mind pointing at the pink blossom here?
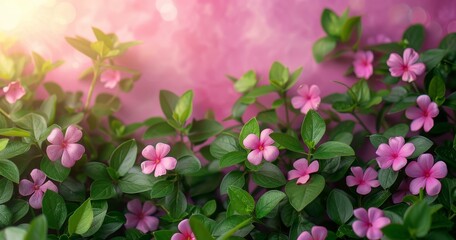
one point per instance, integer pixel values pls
(363, 64)
(365, 180)
(185, 230)
(425, 174)
(13, 92)
(369, 223)
(37, 188)
(157, 159)
(402, 191)
(139, 216)
(394, 154)
(318, 233)
(422, 115)
(66, 147)
(110, 78)
(303, 170)
(308, 98)
(407, 67)
(261, 147)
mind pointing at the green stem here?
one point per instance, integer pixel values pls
(415, 87)
(6, 114)
(96, 70)
(235, 229)
(361, 122)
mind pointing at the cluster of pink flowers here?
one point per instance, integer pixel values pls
(422, 115)
(364, 180)
(303, 170)
(369, 223)
(407, 66)
(394, 154)
(316, 233)
(37, 188)
(65, 147)
(139, 216)
(308, 98)
(262, 147)
(157, 159)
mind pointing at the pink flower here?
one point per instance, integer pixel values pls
(139, 216)
(309, 98)
(261, 147)
(365, 180)
(369, 223)
(425, 174)
(394, 154)
(422, 115)
(318, 233)
(363, 64)
(185, 230)
(402, 191)
(110, 78)
(66, 147)
(158, 160)
(37, 188)
(13, 92)
(303, 170)
(408, 67)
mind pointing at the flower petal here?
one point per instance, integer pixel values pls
(361, 214)
(313, 167)
(36, 199)
(428, 124)
(54, 152)
(410, 56)
(297, 102)
(73, 134)
(370, 174)
(363, 189)
(413, 113)
(417, 68)
(169, 163)
(26, 187)
(265, 139)
(162, 149)
(56, 136)
(134, 206)
(132, 220)
(433, 186)
(407, 150)
(439, 170)
(251, 141)
(160, 170)
(148, 208)
(417, 124)
(426, 161)
(303, 179)
(49, 185)
(293, 174)
(255, 157)
(423, 101)
(319, 233)
(270, 153)
(147, 167)
(149, 153)
(38, 176)
(305, 236)
(399, 163)
(351, 181)
(416, 184)
(184, 227)
(178, 236)
(360, 228)
(394, 61)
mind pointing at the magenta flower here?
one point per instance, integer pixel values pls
(185, 230)
(110, 78)
(408, 67)
(66, 147)
(37, 188)
(365, 180)
(369, 223)
(157, 160)
(422, 115)
(394, 154)
(139, 216)
(261, 147)
(308, 98)
(425, 174)
(303, 170)
(362, 65)
(318, 233)
(13, 92)
(402, 191)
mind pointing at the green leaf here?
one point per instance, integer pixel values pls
(102, 189)
(240, 200)
(331, 23)
(18, 208)
(437, 89)
(414, 36)
(421, 144)
(323, 47)
(387, 177)
(14, 132)
(233, 158)
(96, 171)
(54, 170)
(312, 129)
(396, 231)
(268, 116)
(99, 213)
(37, 229)
(54, 209)
(161, 129)
(6, 190)
(278, 75)
(163, 234)
(34, 122)
(377, 199)
(124, 157)
(288, 142)
(209, 207)
(268, 202)
(133, 183)
(203, 129)
(269, 176)
(48, 108)
(5, 216)
(233, 178)
(377, 139)
(176, 204)
(222, 145)
(54, 89)
(236, 224)
(431, 58)
(9, 170)
(161, 189)
(246, 82)
(302, 195)
(418, 219)
(168, 102)
(81, 219)
(333, 149)
(348, 27)
(199, 229)
(83, 46)
(188, 165)
(339, 207)
(184, 107)
(3, 143)
(251, 127)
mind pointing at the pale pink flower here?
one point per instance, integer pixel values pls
(110, 78)
(318, 233)
(13, 92)
(425, 174)
(308, 98)
(303, 170)
(394, 154)
(362, 65)
(369, 223)
(261, 147)
(185, 231)
(65, 147)
(157, 160)
(402, 191)
(37, 188)
(139, 216)
(365, 180)
(422, 115)
(408, 67)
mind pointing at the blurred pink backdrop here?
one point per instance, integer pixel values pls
(194, 44)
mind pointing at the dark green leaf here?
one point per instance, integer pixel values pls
(168, 102)
(421, 144)
(54, 170)
(203, 129)
(102, 189)
(124, 157)
(312, 129)
(288, 142)
(251, 127)
(233, 158)
(269, 176)
(414, 36)
(301, 195)
(240, 200)
(333, 149)
(323, 47)
(418, 219)
(37, 229)
(387, 177)
(161, 189)
(268, 202)
(54, 209)
(81, 219)
(233, 178)
(377, 199)
(161, 129)
(339, 207)
(6, 190)
(133, 183)
(9, 170)
(199, 229)
(188, 165)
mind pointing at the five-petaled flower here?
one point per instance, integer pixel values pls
(157, 160)
(65, 147)
(362, 65)
(185, 231)
(425, 174)
(110, 78)
(308, 98)
(139, 216)
(402, 191)
(406, 67)
(13, 92)
(369, 223)
(262, 147)
(394, 153)
(422, 115)
(364, 180)
(37, 188)
(303, 170)
(318, 233)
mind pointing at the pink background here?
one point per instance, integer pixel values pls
(194, 44)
